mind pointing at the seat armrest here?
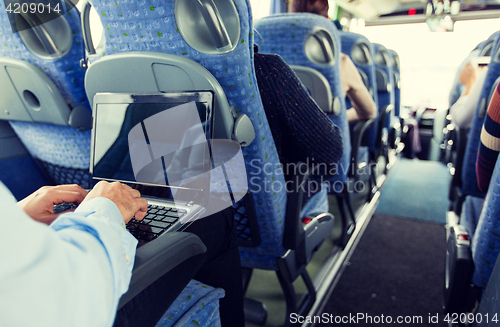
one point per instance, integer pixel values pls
(459, 270)
(160, 256)
(358, 132)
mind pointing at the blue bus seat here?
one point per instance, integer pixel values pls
(473, 250)
(395, 65)
(386, 100)
(469, 182)
(360, 50)
(476, 223)
(458, 136)
(52, 117)
(228, 59)
(397, 123)
(197, 305)
(311, 41)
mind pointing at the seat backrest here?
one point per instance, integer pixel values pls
(360, 50)
(469, 180)
(385, 80)
(396, 72)
(309, 40)
(183, 29)
(42, 87)
(485, 242)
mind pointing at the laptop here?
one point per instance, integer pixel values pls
(158, 144)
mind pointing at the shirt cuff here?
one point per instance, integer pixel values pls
(95, 214)
(104, 207)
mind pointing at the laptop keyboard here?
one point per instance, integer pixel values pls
(157, 220)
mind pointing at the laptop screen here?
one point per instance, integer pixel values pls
(157, 143)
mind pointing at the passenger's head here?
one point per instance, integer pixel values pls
(319, 7)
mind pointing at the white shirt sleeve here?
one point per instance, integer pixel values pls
(463, 110)
(71, 273)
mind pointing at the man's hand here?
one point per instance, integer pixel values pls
(128, 200)
(40, 205)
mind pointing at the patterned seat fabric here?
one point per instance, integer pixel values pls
(196, 306)
(286, 35)
(469, 180)
(57, 147)
(349, 41)
(130, 26)
(486, 240)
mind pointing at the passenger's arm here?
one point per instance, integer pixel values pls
(463, 110)
(69, 274)
(363, 105)
(490, 143)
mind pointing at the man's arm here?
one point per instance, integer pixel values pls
(73, 272)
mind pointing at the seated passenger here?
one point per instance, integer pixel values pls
(94, 238)
(352, 84)
(73, 272)
(463, 110)
(490, 143)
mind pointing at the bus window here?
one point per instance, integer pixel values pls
(429, 61)
(260, 8)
